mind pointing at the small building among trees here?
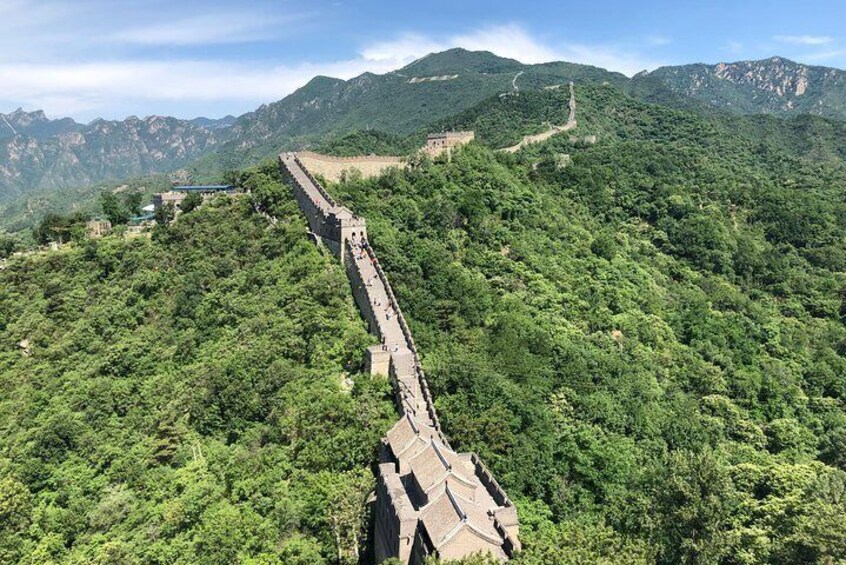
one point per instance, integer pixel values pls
(177, 194)
(98, 227)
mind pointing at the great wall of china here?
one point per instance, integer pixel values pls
(333, 168)
(537, 138)
(430, 500)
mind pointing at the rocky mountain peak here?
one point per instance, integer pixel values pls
(779, 76)
(22, 118)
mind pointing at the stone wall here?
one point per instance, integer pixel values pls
(329, 223)
(333, 168)
(430, 500)
(437, 143)
(98, 228)
(553, 130)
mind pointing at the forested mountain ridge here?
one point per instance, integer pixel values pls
(458, 81)
(610, 113)
(61, 153)
(21, 214)
(193, 398)
(501, 121)
(398, 102)
(644, 341)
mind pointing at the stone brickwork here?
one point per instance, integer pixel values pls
(437, 143)
(334, 168)
(98, 228)
(170, 197)
(430, 500)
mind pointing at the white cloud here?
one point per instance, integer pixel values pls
(510, 41)
(824, 55)
(404, 49)
(804, 39)
(209, 29)
(111, 89)
(33, 30)
(515, 42)
(85, 84)
(658, 40)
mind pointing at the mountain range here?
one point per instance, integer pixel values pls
(770, 86)
(37, 153)
(40, 153)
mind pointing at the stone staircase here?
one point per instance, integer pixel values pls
(430, 500)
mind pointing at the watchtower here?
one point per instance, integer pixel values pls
(437, 143)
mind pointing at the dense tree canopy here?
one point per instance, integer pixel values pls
(644, 342)
(643, 339)
(193, 398)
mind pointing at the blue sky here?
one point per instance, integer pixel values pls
(95, 58)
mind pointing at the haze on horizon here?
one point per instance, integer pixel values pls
(92, 59)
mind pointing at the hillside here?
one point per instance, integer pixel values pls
(607, 111)
(500, 121)
(474, 99)
(19, 215)
(400, 102)
(645, 341)
(193, 398)
(36, 152)
(770, 86)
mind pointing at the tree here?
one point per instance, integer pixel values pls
(164, 214)
(58, 228)
(132, 202)
(8, 245)
(191, 201)
(335, 505)
(113, 209)
(695, 502)
(15, 507)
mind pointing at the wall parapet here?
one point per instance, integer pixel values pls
(389, 159)
(421, 377)
(490, 482)
(317, 185)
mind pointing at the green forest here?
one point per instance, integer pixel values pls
(643, 339)
(193, 398)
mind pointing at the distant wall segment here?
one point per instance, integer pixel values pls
(333, 168)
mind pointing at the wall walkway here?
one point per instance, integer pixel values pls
(430, 500)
